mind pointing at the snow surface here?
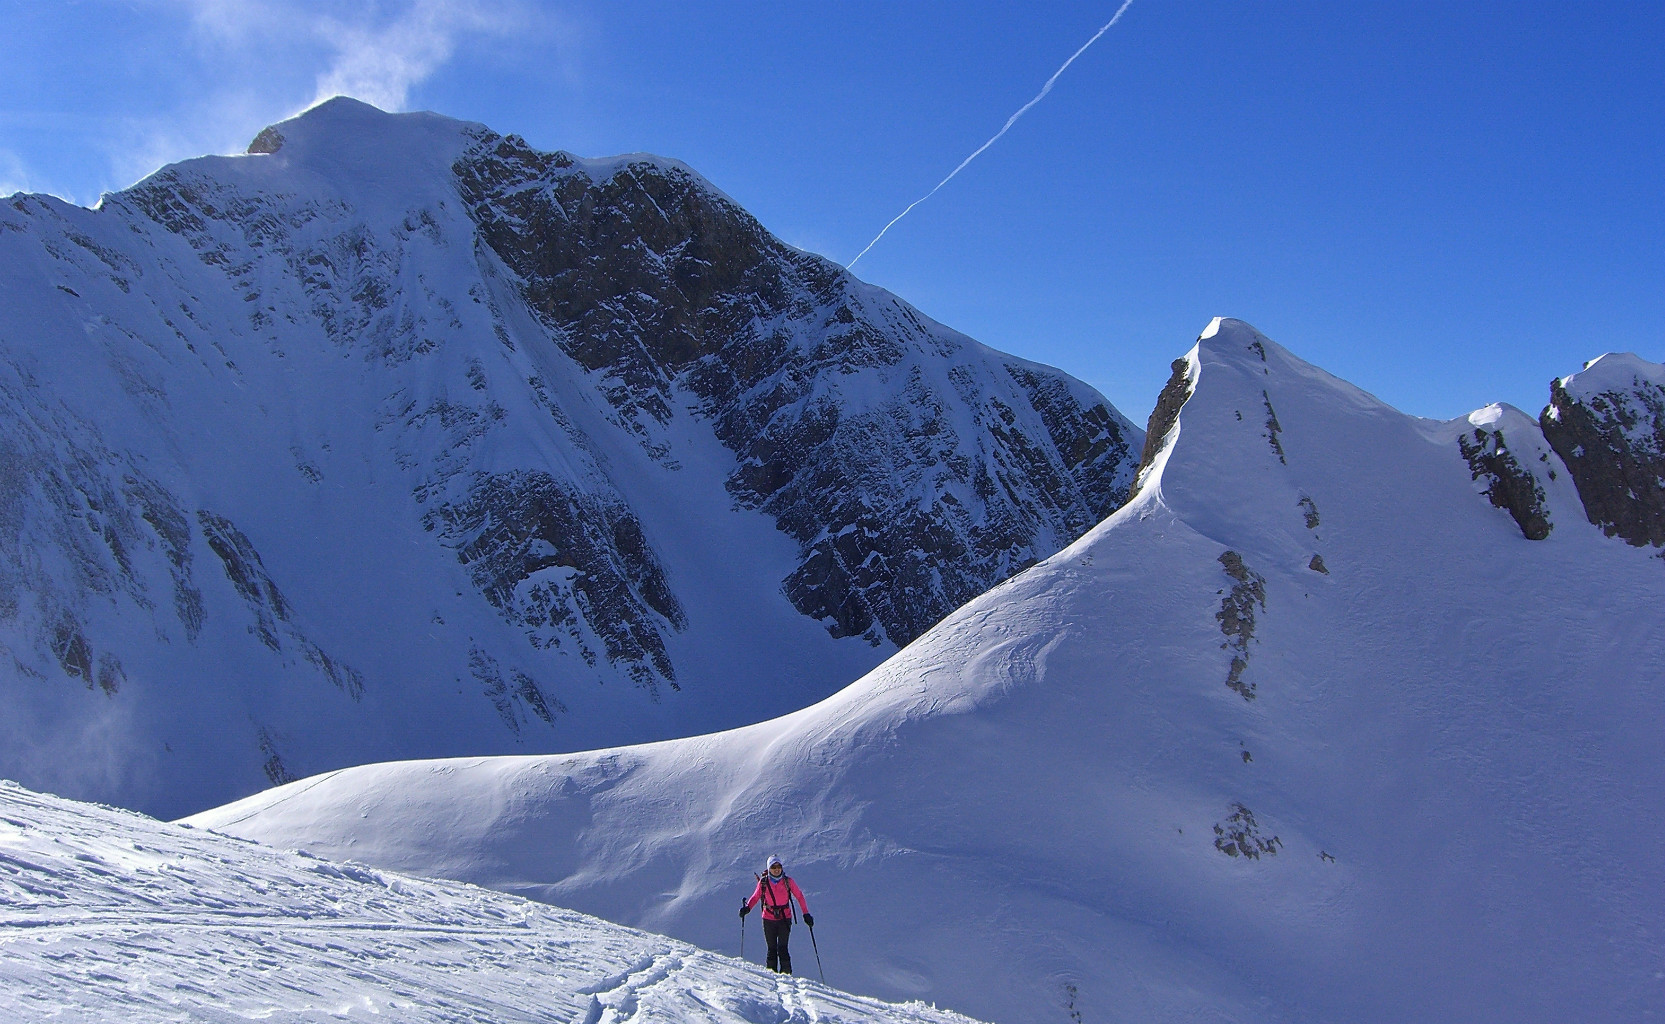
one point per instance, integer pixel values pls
(1615, 371)
(106, 915)
(1446, 746)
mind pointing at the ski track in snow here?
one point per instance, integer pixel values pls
(106, 915)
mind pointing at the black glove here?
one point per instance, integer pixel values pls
(745, 909)
(809, 919)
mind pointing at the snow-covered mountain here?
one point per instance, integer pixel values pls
(107, 915)
(397, 438)
(1310, 730)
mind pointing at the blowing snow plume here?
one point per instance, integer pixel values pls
(996, 137)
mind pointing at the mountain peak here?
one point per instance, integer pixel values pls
(555, 395)
(1614, 371)
(349, 141)
(1227, 408)
(353, 143)
(1237, 343)
(273, 137)
(1225, 330)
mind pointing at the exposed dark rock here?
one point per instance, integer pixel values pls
(912, 468)
(1241, 836)
(58, 493)
(248, 575)
(1237, 618)
(1509, 485)
(1273, 428)
(273, 615)
(645, 272)
(1317, 565)
(554, 559)
(270, 140)
(1090, 441)
(1614, 446)
(110, 675)
(515, 697)
(1309, 509)
(344, 677)
(173, 530)
(540, 703)
(72, 650)
(673, 295)
(272, 764)
(1162, 419)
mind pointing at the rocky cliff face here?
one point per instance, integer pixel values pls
(1509, 485)
(912, 471)
(1608, 426)
(396, 437)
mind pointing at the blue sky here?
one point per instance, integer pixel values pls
(1447, 203)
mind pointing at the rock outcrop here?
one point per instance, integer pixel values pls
(1608, 426)
(1508, 484)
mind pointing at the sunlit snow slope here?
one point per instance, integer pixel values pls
(1309, 731)
(107, 915)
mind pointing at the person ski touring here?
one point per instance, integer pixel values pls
(776, 890)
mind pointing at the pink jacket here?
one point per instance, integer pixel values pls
(776, 905)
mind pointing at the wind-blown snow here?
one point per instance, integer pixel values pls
(106, 915)
(1307, 732)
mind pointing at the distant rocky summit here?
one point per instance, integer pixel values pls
(1608, 425)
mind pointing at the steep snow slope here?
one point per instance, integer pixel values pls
(106, 915)
(396, 438)
(1309, 731)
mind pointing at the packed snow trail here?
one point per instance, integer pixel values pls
(106, 915)
(996, 137)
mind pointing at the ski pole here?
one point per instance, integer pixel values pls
(742, 935)
(817, 949)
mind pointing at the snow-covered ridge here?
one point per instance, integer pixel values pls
(106, 915)
(1309, 730)
(1614, 371)
(1607, 423)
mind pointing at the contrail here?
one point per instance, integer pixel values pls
(1003, 129)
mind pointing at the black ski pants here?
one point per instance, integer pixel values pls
(775, 933)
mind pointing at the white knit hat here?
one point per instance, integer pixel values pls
(771, 862)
